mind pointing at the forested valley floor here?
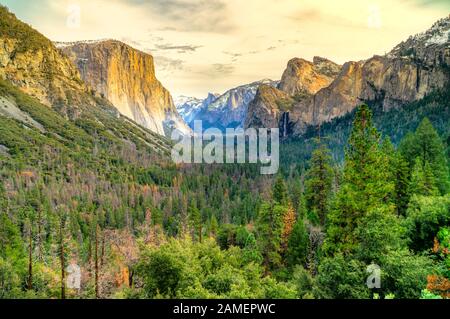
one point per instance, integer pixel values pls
(372, 190)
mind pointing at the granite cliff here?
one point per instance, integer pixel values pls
(126, 77)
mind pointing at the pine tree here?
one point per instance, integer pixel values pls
(213, 226)
(30, 214)
(399, 174)
(297, 196)
(269, 230)
(401, 178)
(422, 180)
(195, 221)
(366, 186)
(13, 258)
(279, 192)
(426, 144)
(319, 182)
(271, 225)
(298, 245)
(96, 277)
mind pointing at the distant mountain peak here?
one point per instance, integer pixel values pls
(222, 110)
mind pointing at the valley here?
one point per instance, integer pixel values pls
(87, 178)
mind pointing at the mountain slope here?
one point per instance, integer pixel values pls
(35, 74)
(126, 77)
(94, 128)
(31, 62)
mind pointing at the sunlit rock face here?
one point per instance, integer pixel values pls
(126, 77)
(305, 77)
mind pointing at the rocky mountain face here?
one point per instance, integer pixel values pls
(300, 81)
(268, 109)
(226, 110)
(304, 77)
(126, 77)
(410, 71)
(31, 62)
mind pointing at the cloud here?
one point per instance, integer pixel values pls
(232, 54)
(179, 48)
(214, 71)
(164, 29)
(189, 15)
(323, 18)
(169, 65)
(222, 69)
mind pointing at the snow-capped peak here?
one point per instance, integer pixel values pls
(438, 35)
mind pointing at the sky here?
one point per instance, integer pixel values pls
(203, 46)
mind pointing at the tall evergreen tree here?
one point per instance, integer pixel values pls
(366, 185)
(298, 245)
(297, 196)
(399, 174)
(401, 178)
(269, 230)
(279, 192)
(213, 226)
(319, 182)
(195, 220)
(270, 225)
(423, 181)
(426, 144)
